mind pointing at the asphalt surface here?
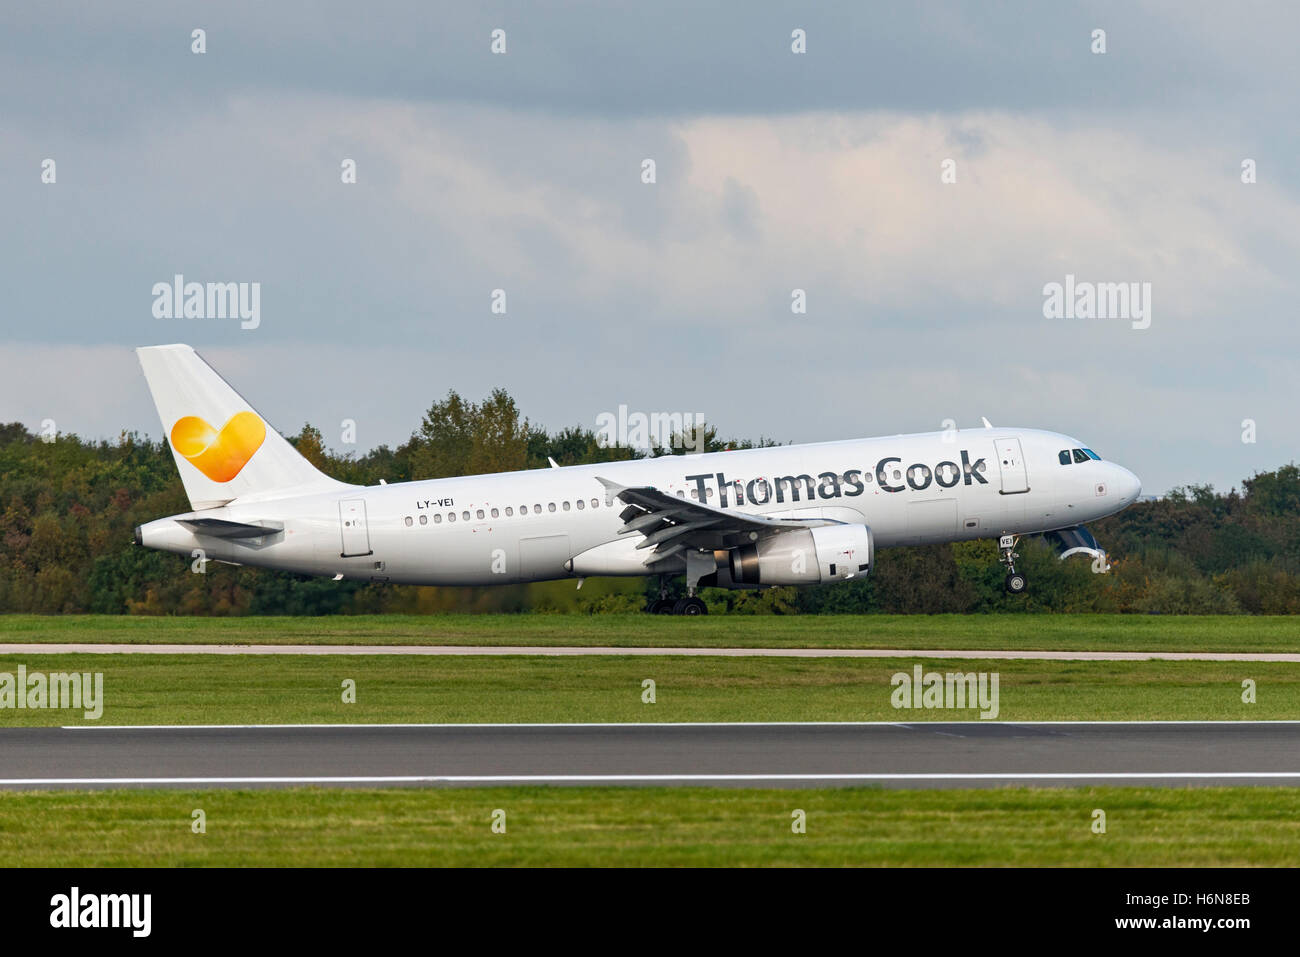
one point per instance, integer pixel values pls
(104, 648)
(931, 754)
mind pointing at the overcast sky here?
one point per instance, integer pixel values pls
(775, 171)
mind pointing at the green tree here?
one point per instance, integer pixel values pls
(499, 437)
(445, 440)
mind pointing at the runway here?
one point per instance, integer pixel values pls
(95, 648)
(929, 754)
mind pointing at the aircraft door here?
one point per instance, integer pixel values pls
(931, 520)
(1011, 460)
(352, 521)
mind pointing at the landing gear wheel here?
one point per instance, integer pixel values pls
(1015, 583)
(690, 606)
(661, 606)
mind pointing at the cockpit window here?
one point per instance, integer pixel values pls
(1092, 455)
(1079, 456)
(1064, 456)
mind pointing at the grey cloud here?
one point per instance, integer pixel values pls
(109, 69)
(522, 172)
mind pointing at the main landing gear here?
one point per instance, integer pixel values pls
(1016, 582)
(663, 605)
(690, 606)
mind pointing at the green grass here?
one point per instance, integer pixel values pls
(1203, 827)
(967, 632)
(234, 689)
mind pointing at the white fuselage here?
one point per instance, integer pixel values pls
(554, 523)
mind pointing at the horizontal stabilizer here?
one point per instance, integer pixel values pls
(220, 528)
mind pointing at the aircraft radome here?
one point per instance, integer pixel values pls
(788, 515)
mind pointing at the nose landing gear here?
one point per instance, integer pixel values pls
(1016, 582)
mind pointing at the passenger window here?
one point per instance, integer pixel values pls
(550, 506)
(479, 513)
(566, 506)
(537, 509)
(408, 521)
(708, 493)
(437, 518)
(465, 515)
(1079, 456)
(424, 519)
(695, 493)
(581, 504)
(451, 516)
(595, 503)
(495, 513)
(510, 510)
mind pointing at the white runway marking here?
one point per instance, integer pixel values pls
(91, 648)
(665, 778)
(654, 724)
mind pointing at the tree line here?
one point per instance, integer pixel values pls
(69, 507)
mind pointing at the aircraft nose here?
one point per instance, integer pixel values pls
(1127, 484)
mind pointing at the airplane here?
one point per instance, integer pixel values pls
(749, 518)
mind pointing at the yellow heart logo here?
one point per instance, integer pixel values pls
(219, 454)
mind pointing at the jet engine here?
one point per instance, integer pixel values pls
(803, 557)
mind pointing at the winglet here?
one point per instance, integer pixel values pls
(611, 489)
(987, 423)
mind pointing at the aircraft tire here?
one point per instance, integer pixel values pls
(690, 606)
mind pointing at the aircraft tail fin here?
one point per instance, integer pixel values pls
(223, 448)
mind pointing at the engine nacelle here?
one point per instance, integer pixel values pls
(805, 556)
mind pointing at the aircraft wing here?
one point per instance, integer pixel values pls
(670, 524)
